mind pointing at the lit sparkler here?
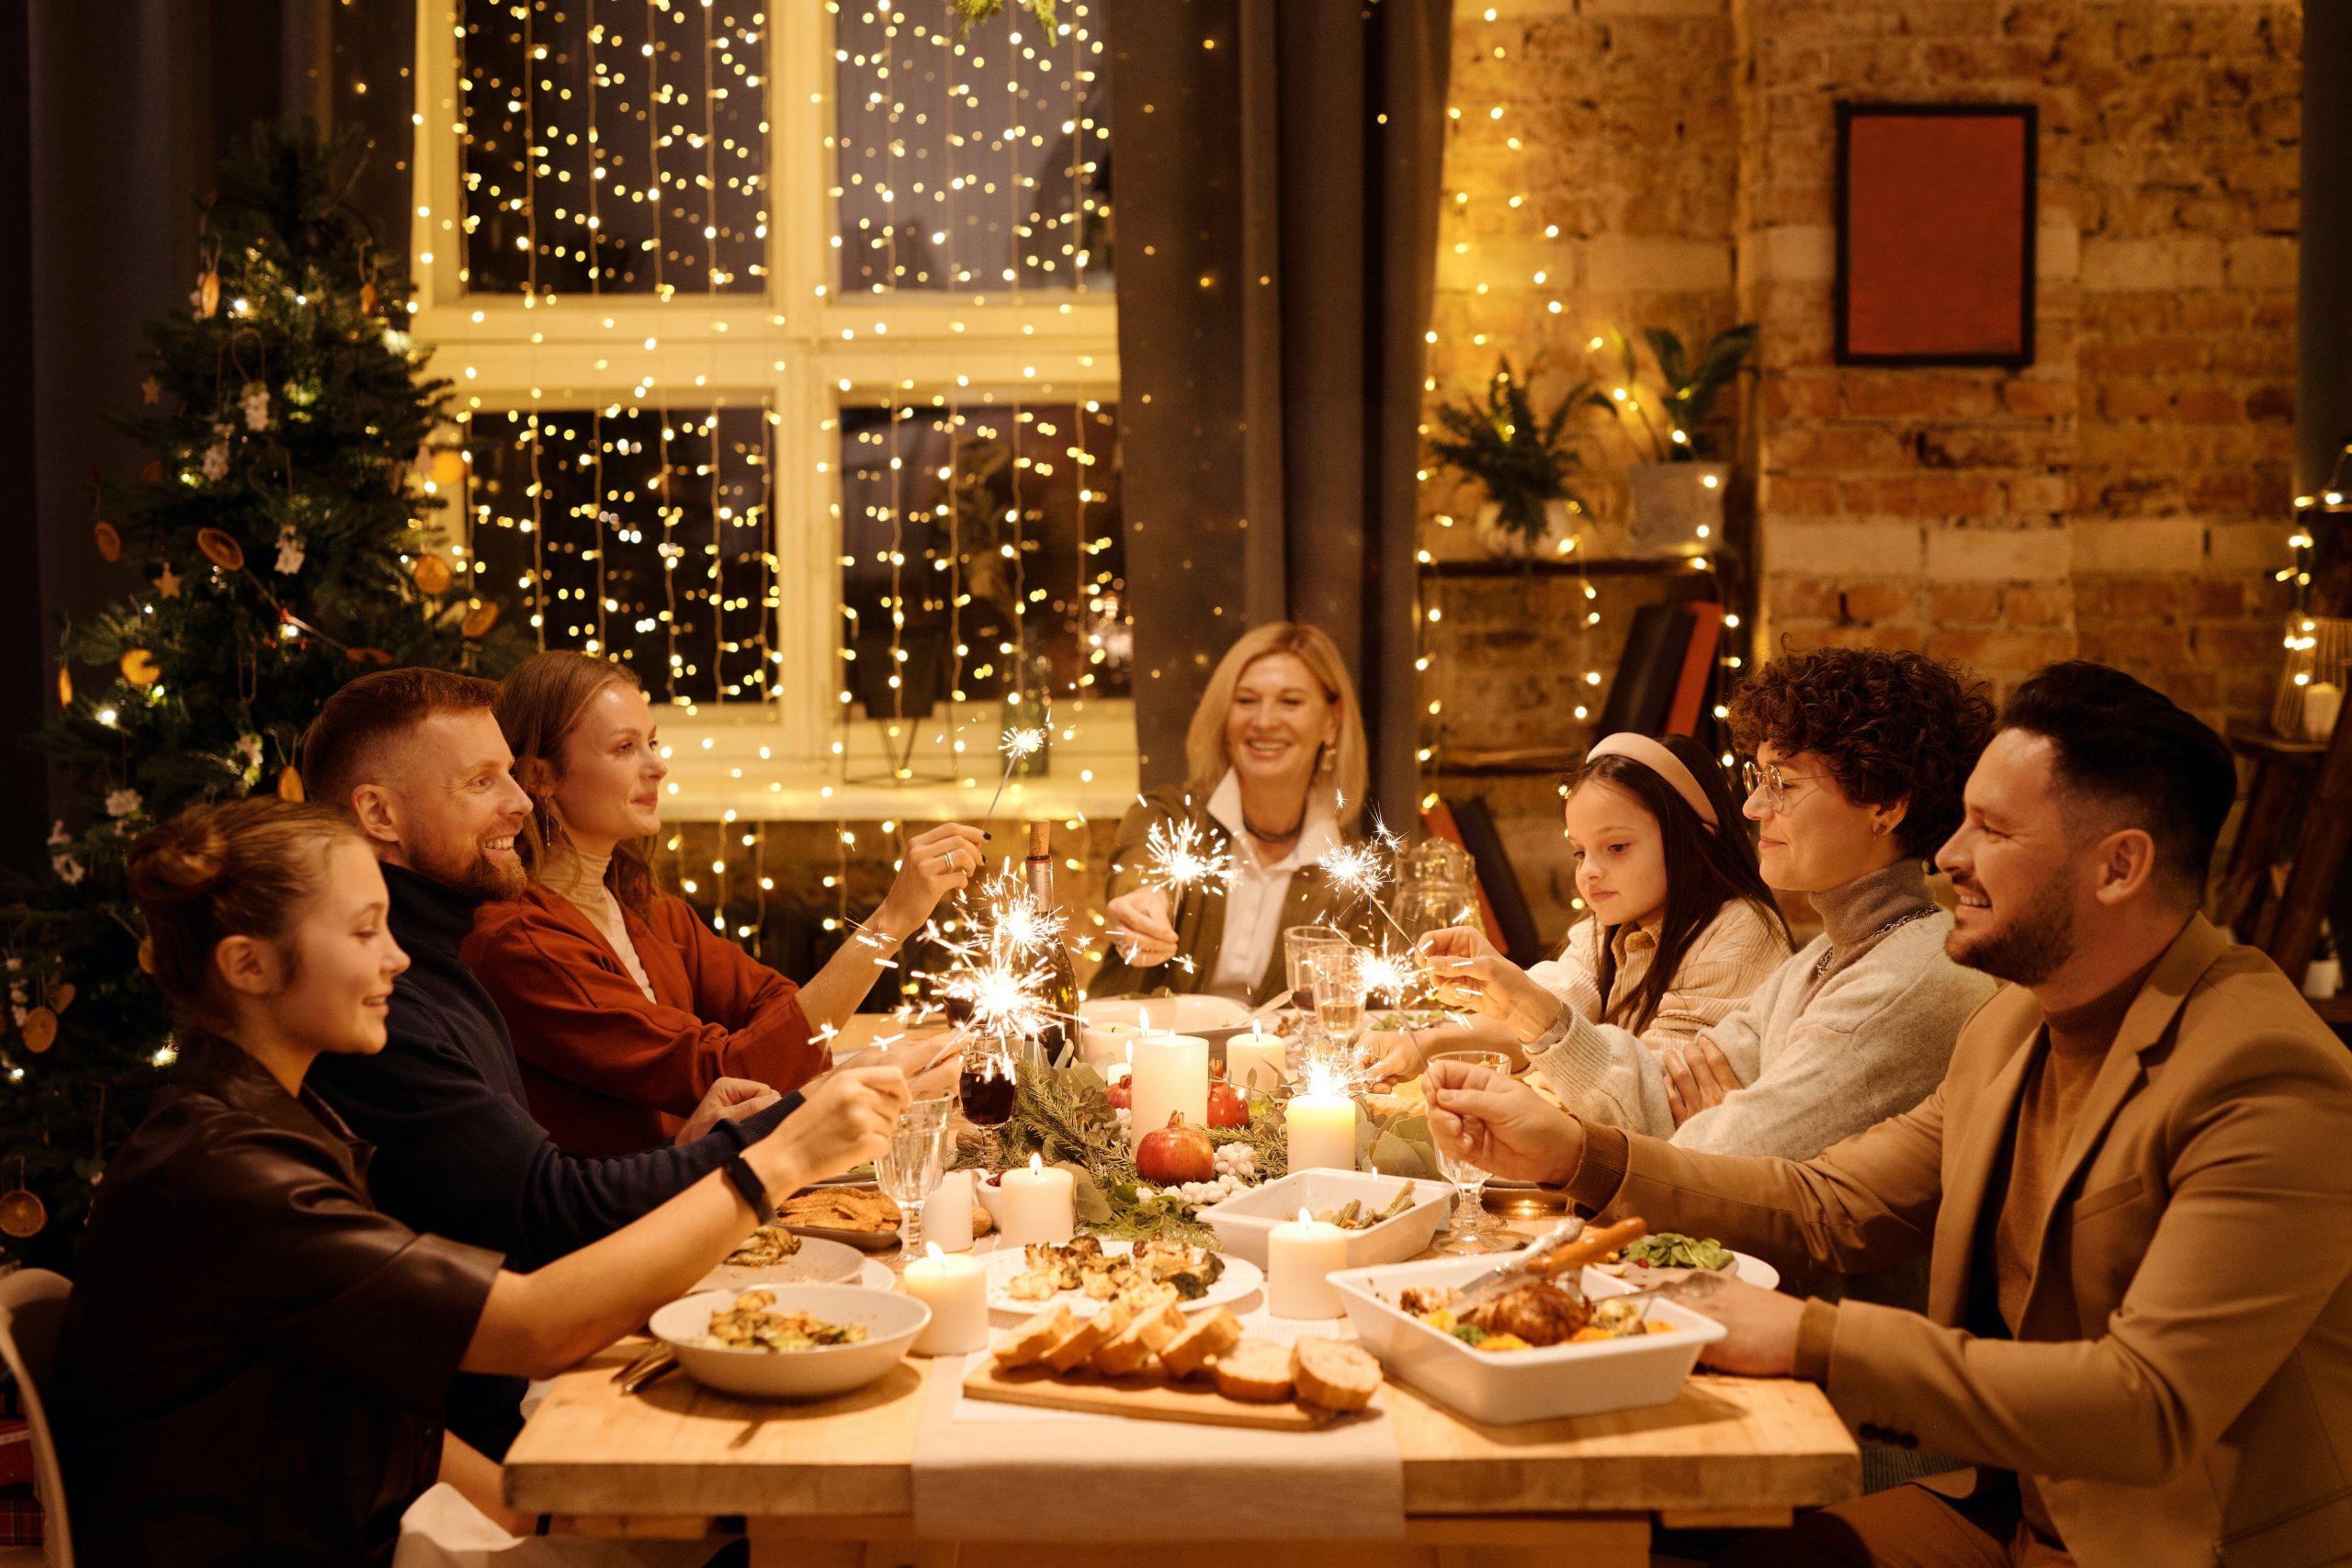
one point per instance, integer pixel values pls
(1018, 745)
(1183, 854)
(998, 972)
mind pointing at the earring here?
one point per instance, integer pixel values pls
(1328, 758)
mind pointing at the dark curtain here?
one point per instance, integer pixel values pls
(113, 116)
(1276, 226)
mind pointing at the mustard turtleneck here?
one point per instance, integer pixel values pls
(580, 879)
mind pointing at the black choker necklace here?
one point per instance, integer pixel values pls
(1266, 837)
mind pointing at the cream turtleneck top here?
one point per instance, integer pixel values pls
(580, 879)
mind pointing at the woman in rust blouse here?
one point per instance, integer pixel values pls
(624, 1005)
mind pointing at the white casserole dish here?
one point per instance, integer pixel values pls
(1243, 1221)
(1506, 1387)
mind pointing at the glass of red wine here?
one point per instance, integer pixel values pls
(987, 1089)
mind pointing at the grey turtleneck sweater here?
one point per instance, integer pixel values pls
(1856, 1027)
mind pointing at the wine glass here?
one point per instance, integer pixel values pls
(1298, 943)
(1473, 1230)
(910, 1166)
(1335, 979)
(987, 1089)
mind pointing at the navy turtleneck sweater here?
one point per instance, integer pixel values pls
(457, 1152)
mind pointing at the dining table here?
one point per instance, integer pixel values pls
(831, 1483)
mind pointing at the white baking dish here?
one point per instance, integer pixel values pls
(1243, 1221)
(1504, 1387)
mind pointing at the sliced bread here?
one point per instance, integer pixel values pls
(1333, 1373)
(1203, 1339)
(1027, 1345)
(1078, 1347)
(1133, 1344)
(1255, 1370)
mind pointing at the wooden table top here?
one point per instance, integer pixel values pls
(678, 1449)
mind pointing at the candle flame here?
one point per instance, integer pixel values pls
(1036, 1165)
(1304, 1218)
(1143, 1023)
(931, 1249)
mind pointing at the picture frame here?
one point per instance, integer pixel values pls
(1936, 210)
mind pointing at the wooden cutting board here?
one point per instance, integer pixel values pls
(1143, 1400)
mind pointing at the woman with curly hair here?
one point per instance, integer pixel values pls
(1858, 758)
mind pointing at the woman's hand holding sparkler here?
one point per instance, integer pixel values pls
(1139, 923)
(936, 863)
(1469, 973)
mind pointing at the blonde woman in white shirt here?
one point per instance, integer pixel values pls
(1682, 929)
(1276, 756)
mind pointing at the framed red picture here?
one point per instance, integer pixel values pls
(1935, 233)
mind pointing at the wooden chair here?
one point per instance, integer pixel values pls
(32, 1310)
(2305, 786)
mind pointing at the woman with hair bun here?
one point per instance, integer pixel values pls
(255, 1358)
(1858, 758)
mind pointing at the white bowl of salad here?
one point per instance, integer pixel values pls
(1668, 1254)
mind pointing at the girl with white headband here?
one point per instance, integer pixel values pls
(1682, 927)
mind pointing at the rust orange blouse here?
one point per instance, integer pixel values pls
(607, 1071)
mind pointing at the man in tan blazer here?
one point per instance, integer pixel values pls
(2135, 1182)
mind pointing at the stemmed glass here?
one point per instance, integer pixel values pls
(1473, 1230)
(987, 1090)
(1299, 944)
(1335, 979)
(909, 1166)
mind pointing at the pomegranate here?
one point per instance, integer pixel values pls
(1122, 1095)
(1229, 1107)
(1174, 1154)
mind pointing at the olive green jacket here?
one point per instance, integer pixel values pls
(1198, 913)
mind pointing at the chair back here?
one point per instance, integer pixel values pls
(32, 1311)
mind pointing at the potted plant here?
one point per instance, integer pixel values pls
(1521, 459)
(1677, 495)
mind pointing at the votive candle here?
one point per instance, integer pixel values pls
(1301, 1256)
(956, 1291)
(1321, 1124)
(1036, 1204)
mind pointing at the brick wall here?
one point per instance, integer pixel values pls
(2123, 499)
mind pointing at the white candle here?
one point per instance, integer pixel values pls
(947, 1214)
(1036, 1204)
(1099, 1043)
(1172, 1074)
(1256, 1060)
(1301, 1256)
(1322, 1127)
(956, 1291)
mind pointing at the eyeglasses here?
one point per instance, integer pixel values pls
(1771, 781)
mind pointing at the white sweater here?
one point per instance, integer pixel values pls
(1819, 1060)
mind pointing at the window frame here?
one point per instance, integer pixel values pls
(804, 351)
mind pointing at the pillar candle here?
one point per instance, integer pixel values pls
(1102, 1044)
(1036, 1204)
(1256, 1061)
(947, 1213)
(1301, 1256)
(956, 1291)
(1322, 1128)
(1172, 1074)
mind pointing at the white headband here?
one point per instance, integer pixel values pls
(1661, 761)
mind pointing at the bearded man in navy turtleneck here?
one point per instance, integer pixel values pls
(417, 756)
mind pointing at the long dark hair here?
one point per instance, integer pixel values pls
(1705, 869)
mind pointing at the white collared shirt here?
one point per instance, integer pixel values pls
(1254, 899)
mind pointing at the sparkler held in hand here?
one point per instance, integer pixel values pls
(1017, 745)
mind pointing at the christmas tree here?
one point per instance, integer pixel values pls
(286, 528)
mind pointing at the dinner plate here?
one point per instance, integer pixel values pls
(1240, 1278)
(1747, 1268)
(818, 1262)
(865, 1241)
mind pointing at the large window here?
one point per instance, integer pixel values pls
(783, 341)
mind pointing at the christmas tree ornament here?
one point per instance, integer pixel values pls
(289, 550)
(21, 1213)
(151, 392)
(374, 656)
(289, 785)
(138, 667)
(433, 575)
(448, 469)
(167, 582)
(367, 298)
(257, 404)
(122, 802)
(40, 1030)
(110, 538)
(207, 298)
(221, 549)
(64, 687)
(216, 461)
(480, 620)
(58, 994)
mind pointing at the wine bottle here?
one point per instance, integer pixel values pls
(1060, 987)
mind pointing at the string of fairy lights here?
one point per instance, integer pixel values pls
(1479, 181)
(617, 151)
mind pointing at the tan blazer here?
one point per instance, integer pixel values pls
(2182, 1386)
(1199, 914)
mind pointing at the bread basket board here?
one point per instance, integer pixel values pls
(1142, 1399)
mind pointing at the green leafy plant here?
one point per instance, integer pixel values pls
(1690, 390)
(1520, 457)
